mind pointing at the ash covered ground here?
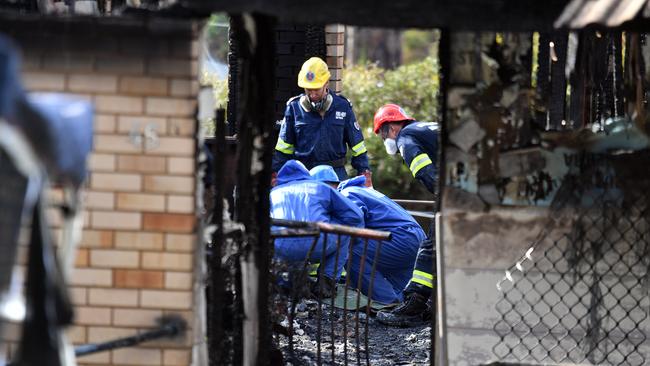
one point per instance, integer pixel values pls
(386, 345)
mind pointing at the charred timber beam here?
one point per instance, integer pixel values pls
(499, 15)
(334, 229)
(255, 40)
(217, 285)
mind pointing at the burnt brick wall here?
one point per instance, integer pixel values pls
(290, 50)
(294, 44)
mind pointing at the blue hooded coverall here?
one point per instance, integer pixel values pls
(418, 144)
(316, 140)
(298, 197)
(396, 257)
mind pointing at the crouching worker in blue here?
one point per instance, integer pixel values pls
(298, 197)
(397, 256)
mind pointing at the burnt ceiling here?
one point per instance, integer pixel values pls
(476, 15)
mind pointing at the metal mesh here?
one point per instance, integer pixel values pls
(583, 297)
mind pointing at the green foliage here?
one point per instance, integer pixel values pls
(418, 44)
(414, 87)
(217, 36)
(220, 90)
(219, 87)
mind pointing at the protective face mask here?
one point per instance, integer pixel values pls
(322, 104)
(318, 106)
(391, 146)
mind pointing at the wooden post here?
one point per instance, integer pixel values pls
(215, 316)
(255, 117)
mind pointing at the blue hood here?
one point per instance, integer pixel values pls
(298, 197)
(379, 211)
(359, 181)
(324, 173)
(293, 170)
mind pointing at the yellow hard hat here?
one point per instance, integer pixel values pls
(313, 74)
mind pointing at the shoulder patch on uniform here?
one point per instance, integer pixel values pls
(293, 98)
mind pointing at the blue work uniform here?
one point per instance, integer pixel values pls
(300, 198)
(314, 140)
(418, 144)
(395, 259)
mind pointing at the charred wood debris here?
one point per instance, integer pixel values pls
(522, 106)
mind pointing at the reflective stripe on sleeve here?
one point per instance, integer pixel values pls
(359, 149)
(284, 147)
(419, 162)
(423, 278)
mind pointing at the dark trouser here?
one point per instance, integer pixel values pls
(341, 173)
(338, 165)
(424, 271)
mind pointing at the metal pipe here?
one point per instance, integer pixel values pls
(294, 296)
(334, 228)
(345, 307)
(426, 215)
(440, 264)
(370, 287)
(359, 286)
(444, 53)
(414, 202)
(319, 296)
(292, 233)
(169, 327)
(336, 266)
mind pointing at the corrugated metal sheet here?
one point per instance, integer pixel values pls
(610, 13)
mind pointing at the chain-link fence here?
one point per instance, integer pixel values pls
(583, 297)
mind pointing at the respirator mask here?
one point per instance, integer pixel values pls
(391, 146)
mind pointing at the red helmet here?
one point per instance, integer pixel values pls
(390, 113)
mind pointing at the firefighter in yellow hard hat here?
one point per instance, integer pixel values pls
(319, 126)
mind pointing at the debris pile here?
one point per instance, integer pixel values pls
(386, 345)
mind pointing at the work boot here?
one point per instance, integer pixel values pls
(414, 311)
(326, 287)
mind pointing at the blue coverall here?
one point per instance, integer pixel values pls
(298, 197)
(316, 140)
(418, 144)
(396, 256)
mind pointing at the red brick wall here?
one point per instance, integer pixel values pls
(136, 258)
(335, 37)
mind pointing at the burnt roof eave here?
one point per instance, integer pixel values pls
(162, 22)
(476, 15)
(468, 15)
(503, 15)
